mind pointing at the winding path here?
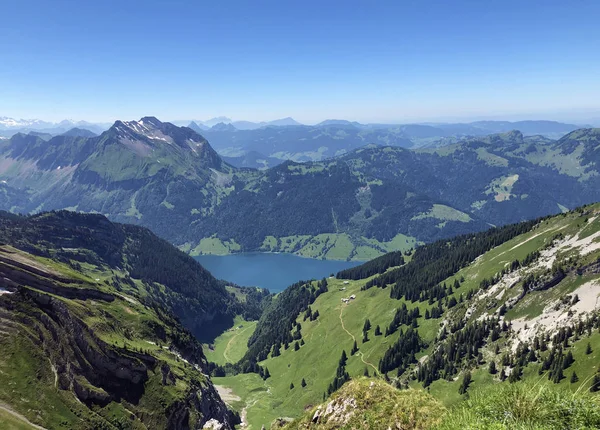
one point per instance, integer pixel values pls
(360, 353)
(225, 356)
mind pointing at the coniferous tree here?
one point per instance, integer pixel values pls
(296, 346)
(377, 330)
(595, 385)
(492, 368)
(465, 383)
(291, 385)
(515, 375)
(568, 360)
(303, 383)
(574, 377)
(367, 325)
(502, 375)
(343, 358)
(588, 349)
(366, 372)
(354, 349)
(276, 351)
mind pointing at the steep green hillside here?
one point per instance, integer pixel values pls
(523, 297)
(200, 301)
(99, 326)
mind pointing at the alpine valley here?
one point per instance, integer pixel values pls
(101, 324)
(355, 206)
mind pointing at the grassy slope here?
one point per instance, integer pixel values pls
(325, 338)
(123, 323)
(11, 422)
(231, 346)
(328, 246)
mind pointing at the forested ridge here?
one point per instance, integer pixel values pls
(198, 299)
(432, 263)
(377, 198)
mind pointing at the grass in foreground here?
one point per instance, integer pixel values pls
(524, 406)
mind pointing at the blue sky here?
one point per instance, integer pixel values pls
(381, 60)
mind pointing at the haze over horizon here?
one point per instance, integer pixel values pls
(391, 62)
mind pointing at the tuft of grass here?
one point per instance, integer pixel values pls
(524, 406)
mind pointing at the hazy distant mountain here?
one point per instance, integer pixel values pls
(214, 121)
(11, 123)
(197, 127)
(283, 122)
(338, 122)
(10, 126)
(79, 132)
(249, 125)
(223, 127)
(526, 127)
(44, 136)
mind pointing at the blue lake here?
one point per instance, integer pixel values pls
(268, 270)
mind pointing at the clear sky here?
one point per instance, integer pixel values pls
(363, 60)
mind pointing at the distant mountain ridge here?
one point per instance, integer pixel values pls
(334, 137)
(356, 206)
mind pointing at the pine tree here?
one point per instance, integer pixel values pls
(296, 346)
(493, 369)
(354, 349)
(366, 372)
(291, 385)
(365, 338)
(515, 375)
(588, 349)
(568, 360)
(503, 375)
(595, 386)
(303, 383)
(377, 330)
(301, 342)
(465, 383)
(267, 374)
(367, 325)
(574, 378)
(276, 351)
(343, 358)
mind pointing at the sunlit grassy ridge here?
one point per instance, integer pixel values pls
(339, 324)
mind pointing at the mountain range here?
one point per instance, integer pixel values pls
(355, 206)
(101, 323)
(334, 137)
